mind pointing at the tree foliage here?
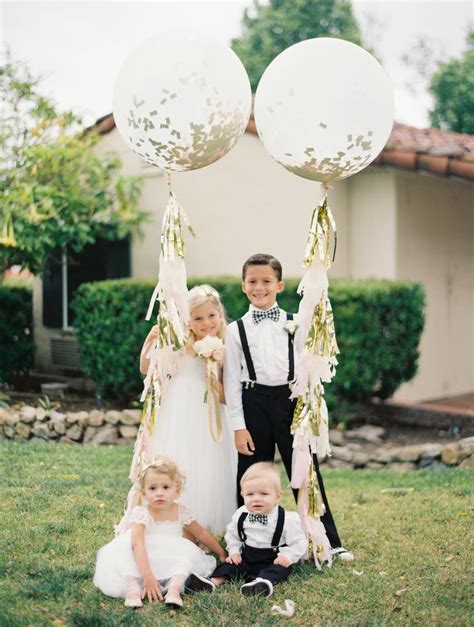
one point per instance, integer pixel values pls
(56, 192)
(452, 86)
(281, 23)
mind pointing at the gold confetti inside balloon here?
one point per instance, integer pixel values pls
(181, 102)
(324, 109)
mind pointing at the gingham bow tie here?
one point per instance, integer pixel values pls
(258, 518)
(273, 314)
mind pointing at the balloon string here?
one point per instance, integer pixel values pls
(168, 178)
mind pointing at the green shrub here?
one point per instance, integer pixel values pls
(16, 330)
(378, 326)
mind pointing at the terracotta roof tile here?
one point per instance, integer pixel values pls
(409, 148)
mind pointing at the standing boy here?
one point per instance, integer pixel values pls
(259, 366)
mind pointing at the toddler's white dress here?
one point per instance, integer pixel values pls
(168, 554)
(182, 432)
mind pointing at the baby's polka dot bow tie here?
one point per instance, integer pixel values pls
(258, 518)
(273, 314)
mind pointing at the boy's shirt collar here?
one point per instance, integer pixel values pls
(253, 308)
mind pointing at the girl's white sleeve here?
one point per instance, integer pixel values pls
(232, 540)
(294, 537)
(185, 515)
(140, 516)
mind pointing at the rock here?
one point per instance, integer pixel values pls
(353, 446)
(75, 432)
(466, 446)
(28, 414)
(58, 423)
(342, 453)
(65, 440)
(113, 416)
(375, 465)
(131, 416)
(360, 460)
(40, 440)
(23, 431)
(12, 418)
(384, 455)
(336, 437)
(402, 467)
(4, 413)
(105, 435)
(96, 418)
(368, 433)
(89, 434)
(451, 454)
(40, 430)
(77, 417)
(128, 431)
(338, 463)
(467, 463)
(127, 442)
(9, 431)
(431, 450)
(410, 453)
(41, 414)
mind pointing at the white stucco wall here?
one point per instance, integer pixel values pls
(242, 204)
(435, 225)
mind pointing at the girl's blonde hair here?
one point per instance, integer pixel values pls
(164, 466)
(200, 295)
(262, 470)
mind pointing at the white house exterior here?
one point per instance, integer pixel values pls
(393, 221)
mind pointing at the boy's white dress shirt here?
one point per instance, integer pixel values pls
(260, 536)
(268, 344)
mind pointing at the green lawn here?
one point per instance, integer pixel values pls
(59, 504)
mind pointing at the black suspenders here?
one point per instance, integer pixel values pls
(278, 529)
(248, 358)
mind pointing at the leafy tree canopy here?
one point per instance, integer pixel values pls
(270, 28)
(56, 192)
(452, 86)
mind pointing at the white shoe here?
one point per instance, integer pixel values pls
(342, 553)
(133, 602)
(173, 599)
(197, 583)
(258, 586)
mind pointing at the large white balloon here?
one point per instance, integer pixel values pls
(324, 109)
(181, 102)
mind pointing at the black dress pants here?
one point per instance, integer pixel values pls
(255, 563)
(268, 412)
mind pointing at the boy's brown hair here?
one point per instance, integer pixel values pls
(262, 259)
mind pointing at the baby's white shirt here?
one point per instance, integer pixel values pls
(260, 536)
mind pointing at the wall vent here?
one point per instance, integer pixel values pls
(65, 353)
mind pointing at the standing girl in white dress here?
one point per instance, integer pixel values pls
(152, 556)
(187, 428)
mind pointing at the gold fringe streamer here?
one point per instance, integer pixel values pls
(321, 337)
(319, 236)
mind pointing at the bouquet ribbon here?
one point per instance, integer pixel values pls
(212, 399)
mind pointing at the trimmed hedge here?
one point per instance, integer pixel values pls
(378, 326)
(17, 347)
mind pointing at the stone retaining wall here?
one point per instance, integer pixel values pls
(121, 427)
(81, 427)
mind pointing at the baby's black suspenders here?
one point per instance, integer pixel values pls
(248, 358)
(278, 529)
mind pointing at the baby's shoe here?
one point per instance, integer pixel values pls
(196, 583)
(342, 553)
(258, 586)
(133, 602)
